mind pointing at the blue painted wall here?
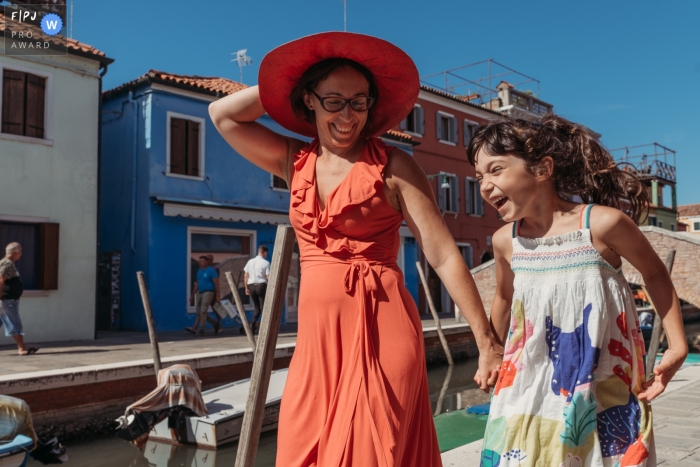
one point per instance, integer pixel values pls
(159, 245)
(410, 256)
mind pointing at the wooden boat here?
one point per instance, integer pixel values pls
(16, 452)
(225, 407)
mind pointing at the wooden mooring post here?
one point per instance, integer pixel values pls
(657, 329)
(265, 349)
(241, 311)
(431, 305)
(149, 320)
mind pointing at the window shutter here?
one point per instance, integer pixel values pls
(468, 196)
(178, 146)
(193, 148)
(454, 181)
(420, 121)
(454, 131)
(479, 200)
(47, 277)
(403, 125)
(438, 120)
(36, 94)
(13, 92)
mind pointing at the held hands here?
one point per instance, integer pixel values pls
(247, 291)
(489, 365)
(669, 365)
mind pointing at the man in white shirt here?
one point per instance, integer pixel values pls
(257, 273)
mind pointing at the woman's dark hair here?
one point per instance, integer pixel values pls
(582, 166)
(317, 73)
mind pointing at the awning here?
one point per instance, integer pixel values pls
(223, 214)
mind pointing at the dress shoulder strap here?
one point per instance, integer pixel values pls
(516, 229)
(585, 221)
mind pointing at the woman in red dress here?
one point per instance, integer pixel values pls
(357, 389)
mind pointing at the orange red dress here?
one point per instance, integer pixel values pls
(357, 392)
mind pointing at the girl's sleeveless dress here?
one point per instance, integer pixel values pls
(566, 394)
(357, 392)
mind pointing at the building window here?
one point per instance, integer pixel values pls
(469, 130)
(414, 123)
(230, 251)
(446, 128)
(673, 227)
(652, 220)
(23, 103)
(467, 253)
(278, 183)
(661, 224)
(448, 196)
(474, 203)
(696, 226)
(185, 146)
(38, 266)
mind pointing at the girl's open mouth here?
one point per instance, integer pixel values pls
(500, 202)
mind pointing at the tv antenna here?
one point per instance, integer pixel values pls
(345, 15)
(242, 60)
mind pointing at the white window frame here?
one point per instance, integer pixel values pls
(213, 230)
(694, 223)
(47, 140)
(415, 125)
(202, 140)
(274, 188)
(468, 197)
(453, 121)
(471, 247)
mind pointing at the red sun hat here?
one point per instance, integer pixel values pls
(395, 76)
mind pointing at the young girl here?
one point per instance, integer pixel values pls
(572, 390)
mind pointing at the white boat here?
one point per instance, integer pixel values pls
(225, 408)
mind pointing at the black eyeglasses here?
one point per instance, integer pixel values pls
(336, 104)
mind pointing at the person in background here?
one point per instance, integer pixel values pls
(204, 294)
(11, 287)
(257, 273)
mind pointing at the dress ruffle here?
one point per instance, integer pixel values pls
(367, 175)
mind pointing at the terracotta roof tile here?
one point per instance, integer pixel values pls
(204, 84)
(399, 136)
(461, 99)
(73, 46)
(689, 210)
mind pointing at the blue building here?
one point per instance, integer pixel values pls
(172, 190)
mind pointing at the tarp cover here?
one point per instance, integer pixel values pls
(15, 419)
(177, 385)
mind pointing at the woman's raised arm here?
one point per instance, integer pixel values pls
(235, 117)
(423, 218)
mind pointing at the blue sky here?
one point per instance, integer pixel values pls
(630, 70)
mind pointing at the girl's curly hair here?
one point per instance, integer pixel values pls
(582, 166)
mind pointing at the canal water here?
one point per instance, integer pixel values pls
(449, 391)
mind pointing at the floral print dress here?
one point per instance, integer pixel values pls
(573, 364)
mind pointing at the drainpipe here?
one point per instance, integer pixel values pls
(103, 71)
(133, 175)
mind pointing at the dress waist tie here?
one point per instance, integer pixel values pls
(361, 381)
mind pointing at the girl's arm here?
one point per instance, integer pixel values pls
(503, 298)
(235, 117)
(415, 197)
(619, 233)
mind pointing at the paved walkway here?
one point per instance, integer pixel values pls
(676, 426)
(125, 346)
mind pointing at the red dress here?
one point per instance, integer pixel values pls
(357, 392)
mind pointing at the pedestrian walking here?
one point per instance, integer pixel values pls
(572, 389)
(204, 294)
(12, 289)
(257, 273)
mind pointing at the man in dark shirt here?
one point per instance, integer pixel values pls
(11, 287)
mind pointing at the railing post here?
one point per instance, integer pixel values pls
(265, 350)
(431, 305)
(241, 311)
(150, 322)
(657, 329)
